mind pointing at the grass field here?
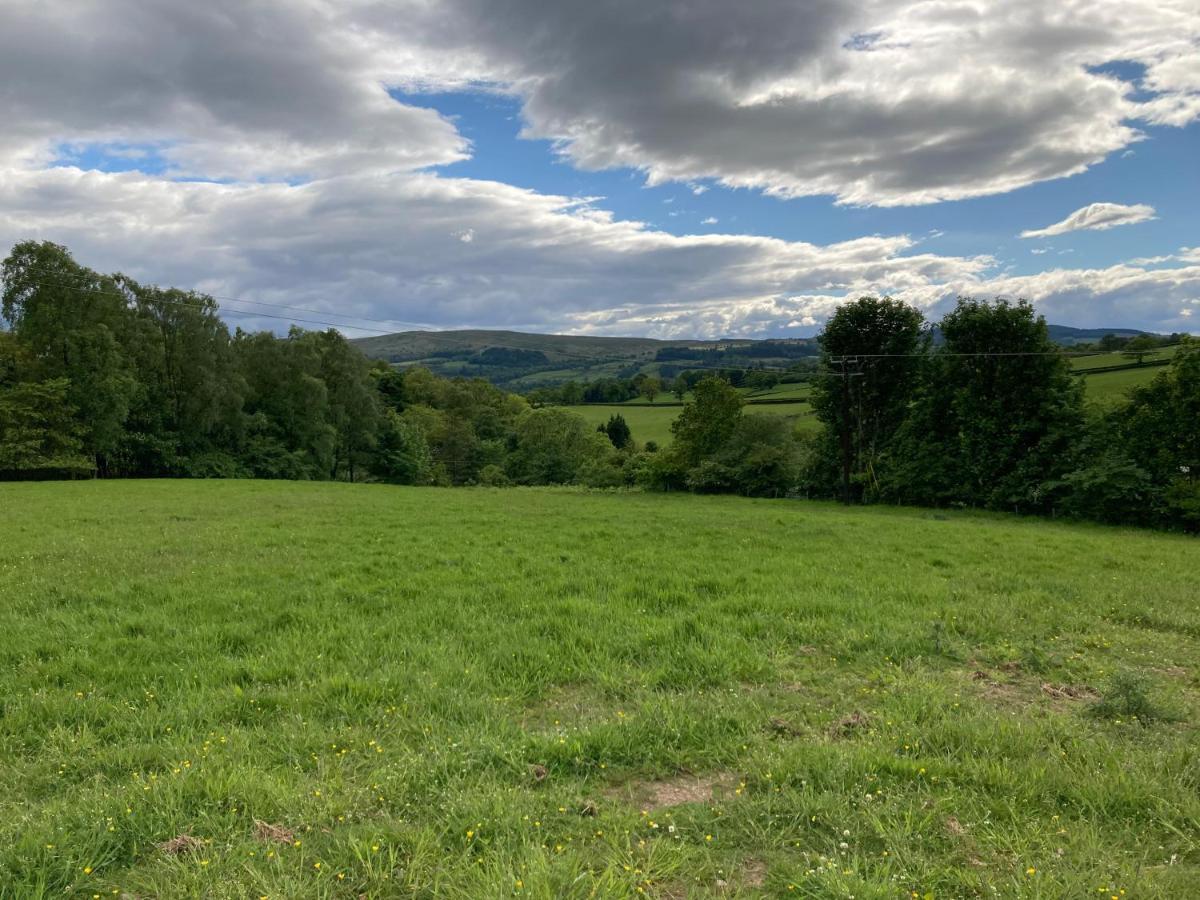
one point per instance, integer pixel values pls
(1107, 388)
(1092, 361)
(653, 423)
(323, 690)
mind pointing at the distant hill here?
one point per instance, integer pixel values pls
(521, 361)
(1068, 336)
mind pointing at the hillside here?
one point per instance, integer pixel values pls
(333, 690)
(521, 361)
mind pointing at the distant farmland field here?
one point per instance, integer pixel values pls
(653, 423)
(297, 690)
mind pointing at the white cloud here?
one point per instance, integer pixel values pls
(392, 247)
(224, 89)
(536, 262)
(711, 220)
(1096, 217)
(309, 185)
(872, 101)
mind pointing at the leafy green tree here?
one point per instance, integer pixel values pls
(74, 322)
(289, 430)
(650, 387)
(1160, 430)
(996, 417)
(39, 436)
(189, 400)
(353, 401)
(401, 454)
(617, 430)
(863, 403)
(552, 445)
(708, 420)
(1136, 348)
(679, 387)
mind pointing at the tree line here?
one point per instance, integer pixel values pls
(989, 416)
(648, 387)
(103, 376)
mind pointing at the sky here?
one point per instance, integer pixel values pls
(693, 169)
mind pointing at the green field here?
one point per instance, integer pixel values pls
(653, 423)
(330, 690)
(1093, 361)
(1107, 388)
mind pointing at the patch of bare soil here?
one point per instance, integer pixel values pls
(851, 725)
(1070, 691)
(783, 728)
(181, 844)
(753, 873)
(1007, 687)
(684, 788)
(266, 833)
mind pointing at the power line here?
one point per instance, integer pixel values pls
(941, 353)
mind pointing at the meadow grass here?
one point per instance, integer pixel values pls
(1108, 388)
(330, 690)
(653, 423)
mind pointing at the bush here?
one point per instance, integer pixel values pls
(493, 476)
(1110, 489)
(1126, 696)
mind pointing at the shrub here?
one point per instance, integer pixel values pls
(1126, 696)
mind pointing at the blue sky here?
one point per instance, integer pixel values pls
(1162, 170)
(408, 163)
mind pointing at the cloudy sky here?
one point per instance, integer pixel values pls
(654, 167)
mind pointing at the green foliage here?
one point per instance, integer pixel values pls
(1127, 696)
(650, 387)
(551, 446)
(102, 373)
(617, 431)
(708, 421)
(863, 402)
(39, 436)
(995, 417)
(401, 452)
(1160, 430)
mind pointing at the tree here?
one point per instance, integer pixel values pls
(679, 387)
(996, 416)
(651, 387)
(708, 420)
(1137, 348)
(39, 436)
(552, 446)
(401, 453)
(870, 351)
(353, 401)
(1160, 430)
(617, 431)
(289, 432)
(73, 321)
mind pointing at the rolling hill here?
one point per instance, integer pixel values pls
(521, 361)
